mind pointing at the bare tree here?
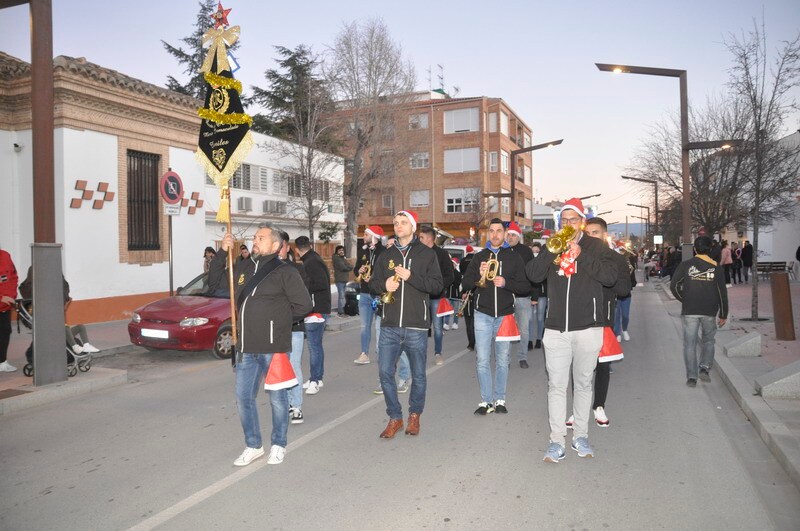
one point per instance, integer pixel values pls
(765, 86)
(371, 81)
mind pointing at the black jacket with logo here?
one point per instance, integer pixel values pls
(492, 300)
(526, 254)
(411, 305)
(700, 286)
(575, 302)
(620, 289)
(368, 256)
(447, 269)
(319, 281)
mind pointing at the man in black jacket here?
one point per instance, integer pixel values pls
(365, 262)
(493, 303)
(270, 295)
(409, 270)
(466, 299)
(699, 284)
(573, 328)
(522, 305)
(319, 285)
(428, 238)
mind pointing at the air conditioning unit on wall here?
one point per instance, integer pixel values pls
(244, 204)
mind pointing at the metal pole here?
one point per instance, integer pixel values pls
(513, 185)
(226, 196)
(171, 292)
(687, 195)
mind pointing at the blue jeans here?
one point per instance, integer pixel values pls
(486, 328)
(622, 314)
(316, 353)
(296, 359)
(250, 374)
(436, 323)
(395, 340)
(538, 313)
(522, 313)
(340, 288)
(367, 315)
(692, 324)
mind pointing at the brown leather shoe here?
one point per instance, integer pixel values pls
(393, 427)
(413, 424)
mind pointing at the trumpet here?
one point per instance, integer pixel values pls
(388, 297)
(464, 304)
(490, 274)
(558, 243)
(366, 275)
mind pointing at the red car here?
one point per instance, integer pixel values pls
(191, 320)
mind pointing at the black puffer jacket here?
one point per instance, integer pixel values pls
(492, 300)
(319, 281)
(447, 269)
(620, 289)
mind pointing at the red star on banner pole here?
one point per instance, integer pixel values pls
(220, 17)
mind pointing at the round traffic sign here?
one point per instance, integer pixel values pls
(171, 188)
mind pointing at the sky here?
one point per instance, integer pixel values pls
(538, 56)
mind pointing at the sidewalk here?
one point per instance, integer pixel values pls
(776, 421)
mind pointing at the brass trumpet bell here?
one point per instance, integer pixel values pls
(490, 274)
(558, 243)
(388, 297)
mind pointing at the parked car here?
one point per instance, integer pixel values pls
(191, 320)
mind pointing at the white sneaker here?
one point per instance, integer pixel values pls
(446, 326)
(363, 359)
(308, 382)
(7, 367)
(402, 386)
(600, 417)
(276, 454)
(625, 335)
(438, 360)
(619, 339)
(313, 388)
(77, 349)
(728, 285)
(91, 349)
(570, 421)
(248, 456)
(455, 326)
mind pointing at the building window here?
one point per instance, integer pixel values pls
(526, 140)
(505, 202)
(295, 185)
(492, 122)
(462, 160)
(280, 183)
(143, 201)
(460, 200)
(387, 201)
(527, 171)
(241, 178)
(504, 123)
(418, 121)
(504, 162)
(461, 121)
(528, 208)
(493, 161)
(263, 179)
(420, 198)
(419, 160)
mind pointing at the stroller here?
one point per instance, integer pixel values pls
(75, 361)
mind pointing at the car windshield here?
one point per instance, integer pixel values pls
(198, 286)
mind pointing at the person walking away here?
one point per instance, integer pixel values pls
(427, 236)
(736, 268)
(370, 251)
(747, 259)
(319, 286)
(466, 299)
(726, 261)
(699, 285)
(454, 294)
(573, 333)
(522, 305)
(494, 300)
(341, 275)
(409, 271)
(270, 295)
(538, 306)
(8, 299)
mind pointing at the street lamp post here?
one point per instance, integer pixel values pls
(646, 224)
(655, 185)
(648, 214)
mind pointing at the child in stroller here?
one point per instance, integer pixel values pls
(78, 349)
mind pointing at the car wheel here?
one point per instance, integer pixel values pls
(223, 343)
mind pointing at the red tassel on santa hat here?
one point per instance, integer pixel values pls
(444, 308)
(612, 350)
(508, 330)
(280, 374)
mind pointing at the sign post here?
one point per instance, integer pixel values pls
(171, 188)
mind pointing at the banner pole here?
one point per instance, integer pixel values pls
(234, 334)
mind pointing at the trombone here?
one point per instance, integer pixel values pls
(558, 243)
(490, 274)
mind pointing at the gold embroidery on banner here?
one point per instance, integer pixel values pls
(220, 100)
(219, 157)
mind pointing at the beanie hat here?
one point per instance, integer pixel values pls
(412, 217)
(514, 228)
(576, 205)
(375, 230)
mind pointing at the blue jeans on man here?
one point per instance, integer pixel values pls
(340, 289)
(316, 352)
(622, 314)
(296, 359)
(250, 374)
(522, 313)
(395, 340)
(486, 328)
(367, 315)
(436, 323)
(692, 325)
(538, 313)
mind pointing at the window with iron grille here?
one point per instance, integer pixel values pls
(241, 178)
(295, 186)
(143, 226)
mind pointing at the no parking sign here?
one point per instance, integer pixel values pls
(171, 188)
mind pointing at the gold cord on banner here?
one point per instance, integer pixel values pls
(225, 82)
(223, 213)
(218, 38)
(227, 119)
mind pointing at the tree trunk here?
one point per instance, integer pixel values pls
(351, 227)
(756, 225)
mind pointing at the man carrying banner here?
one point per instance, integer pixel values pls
(270, 296)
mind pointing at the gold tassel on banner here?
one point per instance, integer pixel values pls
(223, 213)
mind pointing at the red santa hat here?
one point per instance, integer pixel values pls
(374, 230)
(576, 205)
(508, 330)
(412, 217)
(444, 308)
(314, 318)
(514, 228)
(470, 249)
(280, 374)
(611, 350)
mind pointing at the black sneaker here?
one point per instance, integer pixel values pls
(296, 416)
(691, 382)
(538, 343)
(530, 345)
(704, 375)
(500, 407)
(523, 364)
(484, 408)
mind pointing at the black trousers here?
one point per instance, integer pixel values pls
(470, 320)
(5, 334)
(602, 376)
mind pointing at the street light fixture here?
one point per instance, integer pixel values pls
(648, 215)
(655, 185)
(589, 196)
(606, 212)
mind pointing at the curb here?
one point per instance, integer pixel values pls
(780, 441)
